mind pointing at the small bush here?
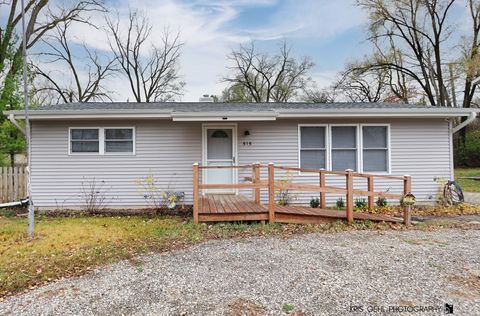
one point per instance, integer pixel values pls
(314, 202)
(381, 201)
(340, 203)
(360, 204)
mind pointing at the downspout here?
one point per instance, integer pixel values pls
(470, 119)
(12, 119)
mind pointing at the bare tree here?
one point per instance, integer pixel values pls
(418, 29)
(360, 84)
(279, 78)
(83, 77)
(152, 70)
(41, 17)
(314, 94)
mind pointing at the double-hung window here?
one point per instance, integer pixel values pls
(84, 140)
(102, 140)
(375, 148)
(118, 140)
(344, 147)
(313, 147)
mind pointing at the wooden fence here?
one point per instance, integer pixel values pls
(13, 184)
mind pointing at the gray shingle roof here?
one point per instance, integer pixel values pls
(224, 107)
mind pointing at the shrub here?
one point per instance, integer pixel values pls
(381, 201)
(360, 204)
(340, 203)
(315, 202)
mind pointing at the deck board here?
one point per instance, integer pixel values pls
(229, 207)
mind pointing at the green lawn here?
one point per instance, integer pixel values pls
(468, 185)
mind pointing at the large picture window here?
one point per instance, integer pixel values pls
(359, 147)
(102, 140)
(313, 147)
(375, 148)
(344, 147)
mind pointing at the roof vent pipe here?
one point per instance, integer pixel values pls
(206, 98)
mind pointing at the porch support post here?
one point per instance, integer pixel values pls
(370, 190)
(256, 180)
(323, 200)
(349, 195)
(407, 188)
(271, 193)
(195, 193)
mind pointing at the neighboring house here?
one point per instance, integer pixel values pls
(119, 143)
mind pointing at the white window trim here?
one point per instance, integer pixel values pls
(101, 139)
(299, 136)
(389, 151)
(328, 143)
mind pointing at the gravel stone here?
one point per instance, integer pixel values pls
(317, 274)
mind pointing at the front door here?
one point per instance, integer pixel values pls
(219, 150)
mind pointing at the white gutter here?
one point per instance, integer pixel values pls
(470, 119)
(225, 116)
(12, 119)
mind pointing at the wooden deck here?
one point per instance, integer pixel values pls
(229, 207)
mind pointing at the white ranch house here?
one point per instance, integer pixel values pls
(119, 143)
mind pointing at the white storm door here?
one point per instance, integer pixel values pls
(219, 150)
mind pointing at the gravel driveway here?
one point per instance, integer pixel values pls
(320, 274)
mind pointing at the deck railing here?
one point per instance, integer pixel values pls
(272, 185)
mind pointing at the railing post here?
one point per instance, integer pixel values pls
(349, 195)
(371, 190)
(271, 193)
(256, 180)
(407, 188)
(323, 200)
(195, 193)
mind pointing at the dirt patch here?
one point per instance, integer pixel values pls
(244, 307)
(470, 282)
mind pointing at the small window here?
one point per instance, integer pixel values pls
(118, 140)
(344, 148)
(312, 147)
(84, 140)
(375, 148)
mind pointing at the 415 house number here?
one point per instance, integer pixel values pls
(247, 143)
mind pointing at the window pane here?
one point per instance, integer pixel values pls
(344, 159)
(91, 133)
(312, 137)
(344, 137)
(375, 160)
(119, 146)
(85, 147)
(219, 144)
(118, 133)
(374, 137)
(312, 159)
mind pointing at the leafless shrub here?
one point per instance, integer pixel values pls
(93, 195)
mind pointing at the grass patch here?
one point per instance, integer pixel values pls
(468, 185)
